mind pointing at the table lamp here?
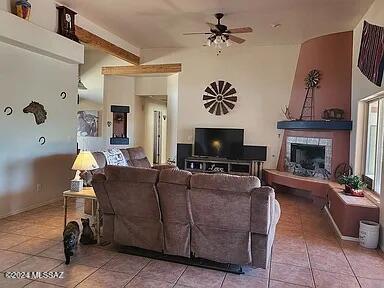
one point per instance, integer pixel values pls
(84, 162)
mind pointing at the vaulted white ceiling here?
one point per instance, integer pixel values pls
(161, 23)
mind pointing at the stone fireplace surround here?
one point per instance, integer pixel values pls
(327, 143)
(338, 146)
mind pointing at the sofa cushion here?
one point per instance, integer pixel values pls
(175, 176)
(141, 163)
(174, 203)
(131, 174)
(224, 182)
(136, 153)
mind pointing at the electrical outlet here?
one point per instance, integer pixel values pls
(38, 188)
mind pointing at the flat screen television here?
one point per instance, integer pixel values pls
(219, 142)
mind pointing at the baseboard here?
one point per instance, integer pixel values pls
(341, 236)
(30, 207)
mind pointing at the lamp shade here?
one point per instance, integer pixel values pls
(85, 162)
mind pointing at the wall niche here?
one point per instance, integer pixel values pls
(119, 125)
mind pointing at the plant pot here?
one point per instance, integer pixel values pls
(369, 234)
(353, 192)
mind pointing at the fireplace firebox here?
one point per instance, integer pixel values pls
(308, 156)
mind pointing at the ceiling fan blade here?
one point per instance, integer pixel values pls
(236, 39)
(241, 30)
(213, 26)
(197, 33)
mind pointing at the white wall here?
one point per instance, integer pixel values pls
(262, 76)
(151, 86)
(24, 163)
(92, 98)
(362, 88)
(172, 111)
(119, 90)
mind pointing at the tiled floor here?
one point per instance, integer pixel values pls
(306, 254)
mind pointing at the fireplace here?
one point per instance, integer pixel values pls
(309, 156)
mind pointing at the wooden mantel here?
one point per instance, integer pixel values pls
(102, 44)
(142, 69)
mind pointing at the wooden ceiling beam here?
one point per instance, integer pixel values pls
(142, 69)
(102, 44)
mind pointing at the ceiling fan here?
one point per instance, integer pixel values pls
(220, 34)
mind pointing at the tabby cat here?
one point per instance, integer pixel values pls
(87, 237)
(70, 238)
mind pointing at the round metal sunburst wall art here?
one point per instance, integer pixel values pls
(313, 79)
(219, 97)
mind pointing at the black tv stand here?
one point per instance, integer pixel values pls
(198, 164)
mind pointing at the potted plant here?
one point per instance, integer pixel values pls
(354, 185)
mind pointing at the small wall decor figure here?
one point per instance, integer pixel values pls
(23, 9)
(38, 111)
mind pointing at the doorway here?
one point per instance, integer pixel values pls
(157, 137)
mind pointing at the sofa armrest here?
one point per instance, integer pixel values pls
(164, 166)
(262, 209)
(98, 182)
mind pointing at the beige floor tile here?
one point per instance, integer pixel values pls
(371, 283)
(13, 283)
(104, 278)
(56, 252)
(279, 284)
(256, 272)
(8, 240)
(201, 278)
(332, 280)
(11, 226)
(35, 264)
(367, 265)
(126, 263)
(163, 271)
(73, 275)
(9, 258)
(33, 246)
(291, 253)
(139, 282)
(292, 274)
(241, 281)
(37, 284)
(329, 260)
(91, 256)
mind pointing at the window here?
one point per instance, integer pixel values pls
(374, 143)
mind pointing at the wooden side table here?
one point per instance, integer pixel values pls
(86, 193)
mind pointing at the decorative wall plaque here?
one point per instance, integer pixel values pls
(38, 111)
(219, 97)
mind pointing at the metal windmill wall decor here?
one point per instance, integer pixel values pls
(311, 82)
(220, 97)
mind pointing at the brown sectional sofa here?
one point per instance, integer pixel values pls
(135, 157)
(224, 218)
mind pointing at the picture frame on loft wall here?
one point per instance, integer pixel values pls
(88, 123)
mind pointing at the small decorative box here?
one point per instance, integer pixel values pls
(77, 185)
